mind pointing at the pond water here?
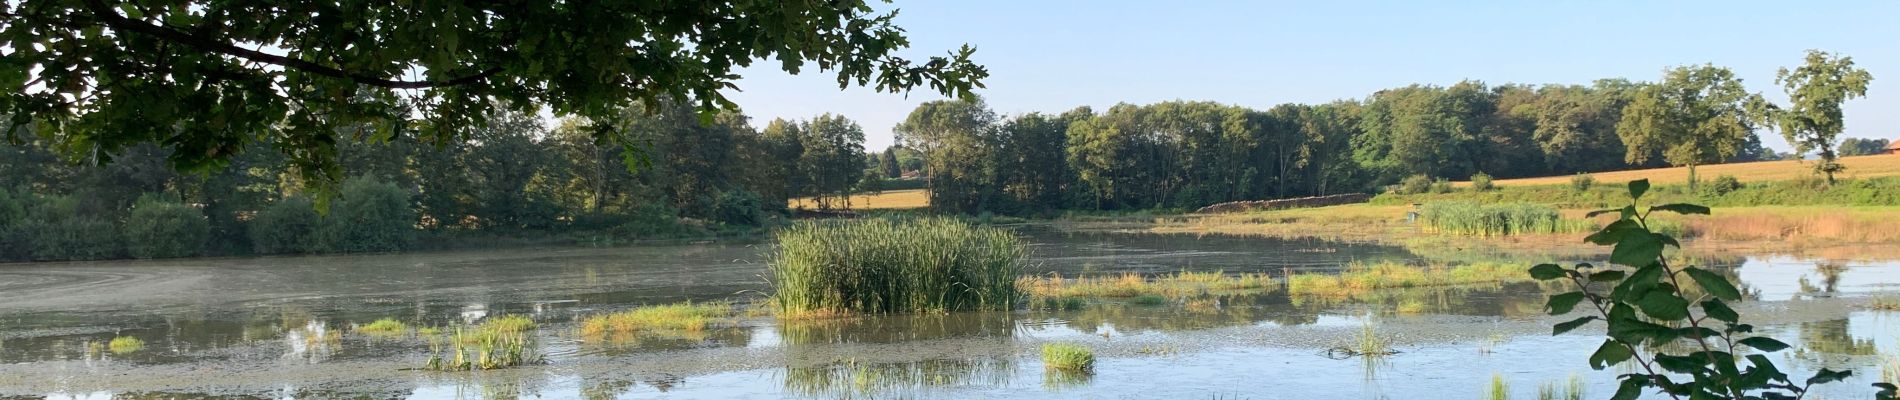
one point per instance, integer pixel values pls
(281, 328)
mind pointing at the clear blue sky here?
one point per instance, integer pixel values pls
(1051, 56)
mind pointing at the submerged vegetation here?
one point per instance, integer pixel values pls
(894, 265)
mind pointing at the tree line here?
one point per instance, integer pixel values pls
(1185, 154)
(664, 172)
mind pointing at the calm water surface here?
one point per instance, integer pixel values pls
(280, 328)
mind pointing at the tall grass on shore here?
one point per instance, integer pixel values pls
(1504, 219)
(1184, 283)
(894, 265)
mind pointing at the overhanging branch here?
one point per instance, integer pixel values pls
(113, 19)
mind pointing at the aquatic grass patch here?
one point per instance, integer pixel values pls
(125, 344)
(499, 342)
(1570, 389)
(1499, 390)
(384, 327)
(894, 265)
(681, 318)
(1132, 285)
(1068, 357)
(1148, 300)
(1497, 219)
(1359, 278)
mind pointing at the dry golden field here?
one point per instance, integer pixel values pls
(1858, 166)
(889, 199)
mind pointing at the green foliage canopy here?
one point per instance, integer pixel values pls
(207, 78)
(1816, 90)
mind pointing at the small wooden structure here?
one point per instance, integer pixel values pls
(1892, 147)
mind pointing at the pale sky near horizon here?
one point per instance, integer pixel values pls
(1051, 56)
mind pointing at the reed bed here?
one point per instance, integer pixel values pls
(1359, 278)
(1499, 219)
(681, 318)
(1131, 285)
(894, 265)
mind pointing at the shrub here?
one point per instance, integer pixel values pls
(14, 206)
(1441, 185)
(55, 231)
(1415, 184)
(288, 226)
(1722, 185)
(1067, 357)
(1583, 182)
(1481, 182)
(1651, 318)
(164, 228)
(739, 207)
(894, 265)
(368, 216)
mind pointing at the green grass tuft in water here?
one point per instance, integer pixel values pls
(384, 327)
(1068, 357)
(125, 344)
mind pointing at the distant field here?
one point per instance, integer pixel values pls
(889, 199)
(1859, 166)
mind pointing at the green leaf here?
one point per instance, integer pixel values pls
(1594, 214)
(1827, 375)
(1570, 325)
(1544, 272)
(1638, 187)
(1663, 305)
(1637, 249)
(1679, 364)
(1561, 304)
(1630, 389)
(1714, 284)
(1714, 308)
(1607, 276)
(1612, 233)
(1682, 208)
(1610, 353)
(1764, 344)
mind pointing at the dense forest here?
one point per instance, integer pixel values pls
(673, 171)
(512, 178)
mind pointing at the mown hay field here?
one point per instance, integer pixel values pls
(1858, 166)
(889, 199)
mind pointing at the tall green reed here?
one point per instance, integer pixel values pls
(894, 265)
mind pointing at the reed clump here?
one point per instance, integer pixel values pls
(681, 318)
(1497, 219)
(1068, 357)
(894, 265)
(500, 342)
